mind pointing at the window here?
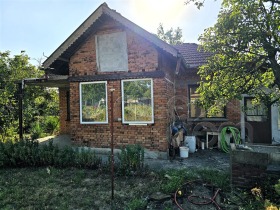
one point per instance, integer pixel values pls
(93, 103)
(195, 110)
(137, 103)
(111, 52)
(255, 112)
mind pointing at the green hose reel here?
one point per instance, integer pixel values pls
(235, 135)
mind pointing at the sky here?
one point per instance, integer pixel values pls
(38, 27)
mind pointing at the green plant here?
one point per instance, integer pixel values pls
(277, 187)
(87, 159)
(131, 159)
(51, 124)
(137, 204)
(220, 179)
(21, 153)
(36, 130)
(174, 179)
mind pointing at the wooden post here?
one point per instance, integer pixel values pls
(20, 108)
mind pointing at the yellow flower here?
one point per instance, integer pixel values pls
(271, 207)
(257, 192)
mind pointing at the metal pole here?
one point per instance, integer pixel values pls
(20, 98)
(112, 141)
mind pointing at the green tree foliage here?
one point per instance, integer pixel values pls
(197, 3)
(37, 101)
(170, 36)
(245, 43)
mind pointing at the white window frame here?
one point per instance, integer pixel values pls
(122, 40)
(81, 105)
(152, 104)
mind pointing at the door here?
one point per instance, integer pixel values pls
(256, 116)
(275, 124)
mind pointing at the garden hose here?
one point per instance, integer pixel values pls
(202, 199)
(235, 134)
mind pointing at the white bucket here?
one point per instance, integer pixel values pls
(184, 152)
(191, 141)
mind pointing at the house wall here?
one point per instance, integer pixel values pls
(142, 56)
(190, 77)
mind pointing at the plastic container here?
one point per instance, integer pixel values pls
(191, 141)
(202, 145)
(184, 152)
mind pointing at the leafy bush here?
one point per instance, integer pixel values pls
(36, 130)
(87, 159)
(51, 124)
(131, 159)
(30, 153)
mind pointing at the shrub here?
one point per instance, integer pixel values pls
(36, 130)
(30, 153)
(51, 124)
(87, 159)
(131, 159)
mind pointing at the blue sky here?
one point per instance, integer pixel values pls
(40, 26)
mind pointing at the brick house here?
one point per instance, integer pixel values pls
(150, 82)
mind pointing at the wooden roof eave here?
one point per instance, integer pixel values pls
(60, 81)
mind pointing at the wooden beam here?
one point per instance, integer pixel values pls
(63, 59)
(178, 66)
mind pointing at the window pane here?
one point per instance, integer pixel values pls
(94, 102)
(195, 110)
(112, 52)
(137, 101)
(254, 112)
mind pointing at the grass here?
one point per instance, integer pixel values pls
(72, 188)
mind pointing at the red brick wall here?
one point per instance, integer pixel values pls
(142, 56)
(151, 136)
(190, 78)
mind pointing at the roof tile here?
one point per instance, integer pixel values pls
(192, 55)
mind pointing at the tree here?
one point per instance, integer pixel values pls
(197, 3)
(37, 101)
(245, 43)
(170, 36)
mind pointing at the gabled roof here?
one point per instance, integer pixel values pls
(59, 59)
(192, 56)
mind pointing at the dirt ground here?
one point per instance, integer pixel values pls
(210, 158)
